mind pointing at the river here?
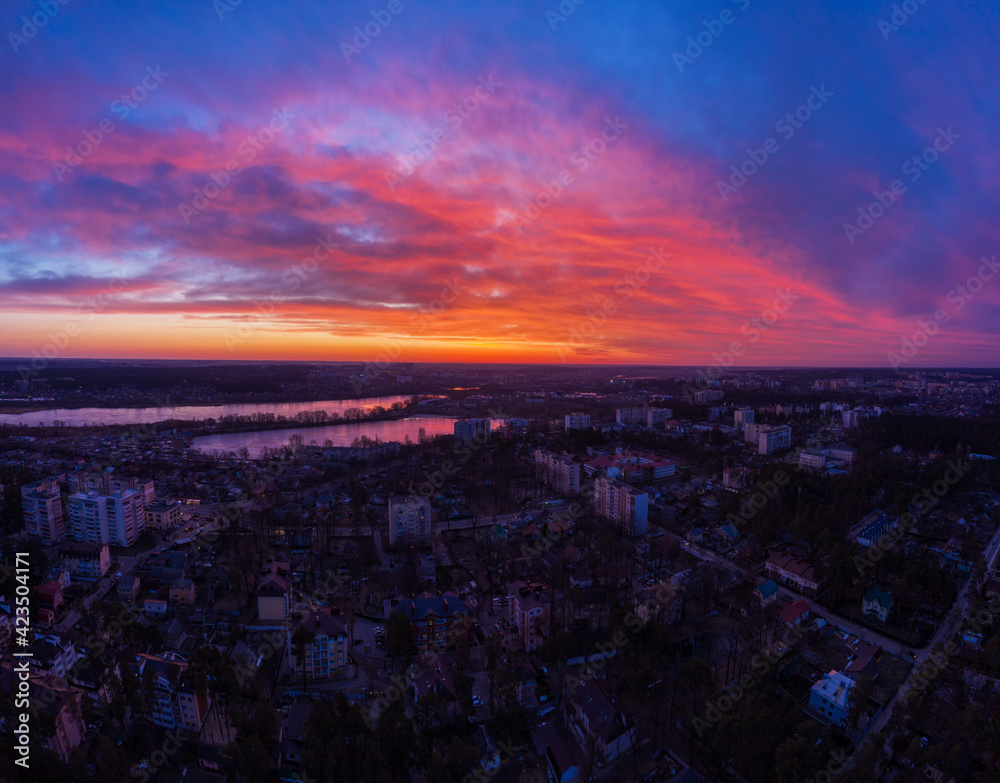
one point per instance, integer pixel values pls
(79, 417)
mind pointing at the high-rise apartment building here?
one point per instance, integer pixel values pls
(772, 438)
(626, 506)
(472, 429)
(559, 471)
(743, 416)
(43, 512)
(409, 520)
(117, 519)
(577, 421)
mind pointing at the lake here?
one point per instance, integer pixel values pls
(340, 434)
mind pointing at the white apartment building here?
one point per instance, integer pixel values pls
(43, 512)
(118, 519)
(577, 421)
(743, 416)
(656, 416)
(559, 471)
(626, 506)
(409, 520)
(771, 439)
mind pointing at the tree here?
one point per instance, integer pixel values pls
(400, 638)
(302, 637)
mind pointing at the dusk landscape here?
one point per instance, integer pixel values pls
(555, 392)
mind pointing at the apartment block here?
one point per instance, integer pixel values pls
(326, 653)
(630, 417)
(43, 512)
(558, 471)
(577, 421)
(439, 621)
(118, 519)
(529, 612)
(409, 521)
(473, 429)
(773, 438)
(626, 506)
(743, 416)
(656, 416)
(176, 702)
(87, 561)
(164, 516)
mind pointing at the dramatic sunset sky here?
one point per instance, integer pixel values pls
(124, 246)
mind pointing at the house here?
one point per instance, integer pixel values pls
(294, 732)
(182, 593)
(877, 603)
(155, 607)
(555, 754)
(53, 654)
(128, 589)
(866, 661)
(431, 676)
(327, 649)
(790, 571)
(595, 720)
(794, 613)
(272, 593)
(50, 595)
(830, 696)
(767, 593)
(489, 754)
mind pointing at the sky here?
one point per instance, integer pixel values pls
(722, 182)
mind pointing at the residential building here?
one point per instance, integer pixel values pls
(409, 521)
(656, 416)
(294, 732)
(795, 613)
(773, 438)
(108, 483)
(473, 429)
(742, 416)
(126, 516)
(830, 697)
(55, 696)
(874, 526)
(597, 722)
(842, 453)
(155, 607)
(43, 512)
(433, 677)
(88, 517)
(326, 653)
(118, 519)
(558, 471)
(877, 603)
(626, 506)
(515, 428)
(751, 432)
(577, 421)
(182, 593)
(787, 570)
(176, 702)
(529, 613)
(85, 561)
(439, 621)
(164, 516)
(272, 593)
(630, 417)
(128, 589)
(767, 593)
(707, 396)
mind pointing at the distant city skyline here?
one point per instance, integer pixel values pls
(628, 183)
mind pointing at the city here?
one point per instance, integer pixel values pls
(613, 575)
